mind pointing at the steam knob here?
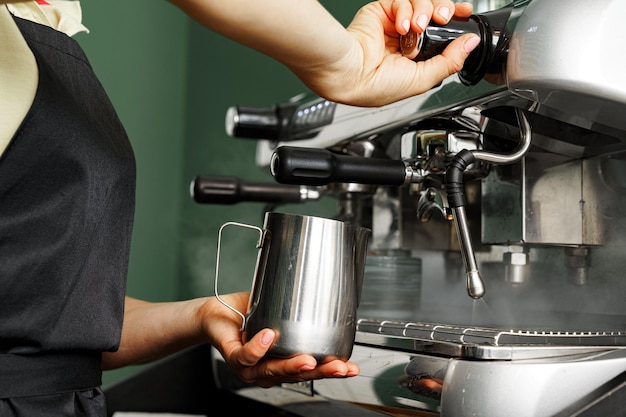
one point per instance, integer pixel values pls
(436, 38)
(488, 57)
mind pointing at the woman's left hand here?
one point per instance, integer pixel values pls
(249, 359)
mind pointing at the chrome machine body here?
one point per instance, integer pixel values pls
(505, 183)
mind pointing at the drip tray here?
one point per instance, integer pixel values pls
(484, 343)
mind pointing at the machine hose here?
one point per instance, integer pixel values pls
(454, 178)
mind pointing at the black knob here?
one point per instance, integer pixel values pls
(253, 122)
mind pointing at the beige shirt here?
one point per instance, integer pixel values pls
(18, 68)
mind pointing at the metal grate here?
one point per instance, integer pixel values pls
(490, 337)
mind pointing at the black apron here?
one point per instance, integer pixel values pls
(67, 187)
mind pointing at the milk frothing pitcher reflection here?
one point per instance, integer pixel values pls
(306, 284)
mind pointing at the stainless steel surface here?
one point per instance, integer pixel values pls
(307, 285)
(574, 81)
(526, 388)
(399, 382)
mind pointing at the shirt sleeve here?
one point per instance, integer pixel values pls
(62, 15)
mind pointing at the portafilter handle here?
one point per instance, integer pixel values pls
(215, 189)
(316, 166)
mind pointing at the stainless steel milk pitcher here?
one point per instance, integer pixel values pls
(306, 285)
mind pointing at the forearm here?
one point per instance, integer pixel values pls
(301, 34)
(154, 330)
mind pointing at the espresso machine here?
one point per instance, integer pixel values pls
(495, 279)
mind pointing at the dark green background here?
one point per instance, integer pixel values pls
(171, 81)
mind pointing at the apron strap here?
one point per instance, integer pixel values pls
(49, 373)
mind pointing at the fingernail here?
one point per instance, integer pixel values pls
(422, 21)
(267, 338)
(444, 12)
(406, 25)
(471, 44)
(306, 368)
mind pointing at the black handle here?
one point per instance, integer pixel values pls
(253, 122)
(313, 166)
(231, 190)
(488, 58)
(436, 38)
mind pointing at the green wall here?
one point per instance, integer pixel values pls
(171, 82)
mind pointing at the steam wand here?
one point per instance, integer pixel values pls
(456, 198)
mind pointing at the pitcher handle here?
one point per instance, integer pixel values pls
(217, 264)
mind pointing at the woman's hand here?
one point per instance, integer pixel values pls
(376, 71)
(248, 360)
